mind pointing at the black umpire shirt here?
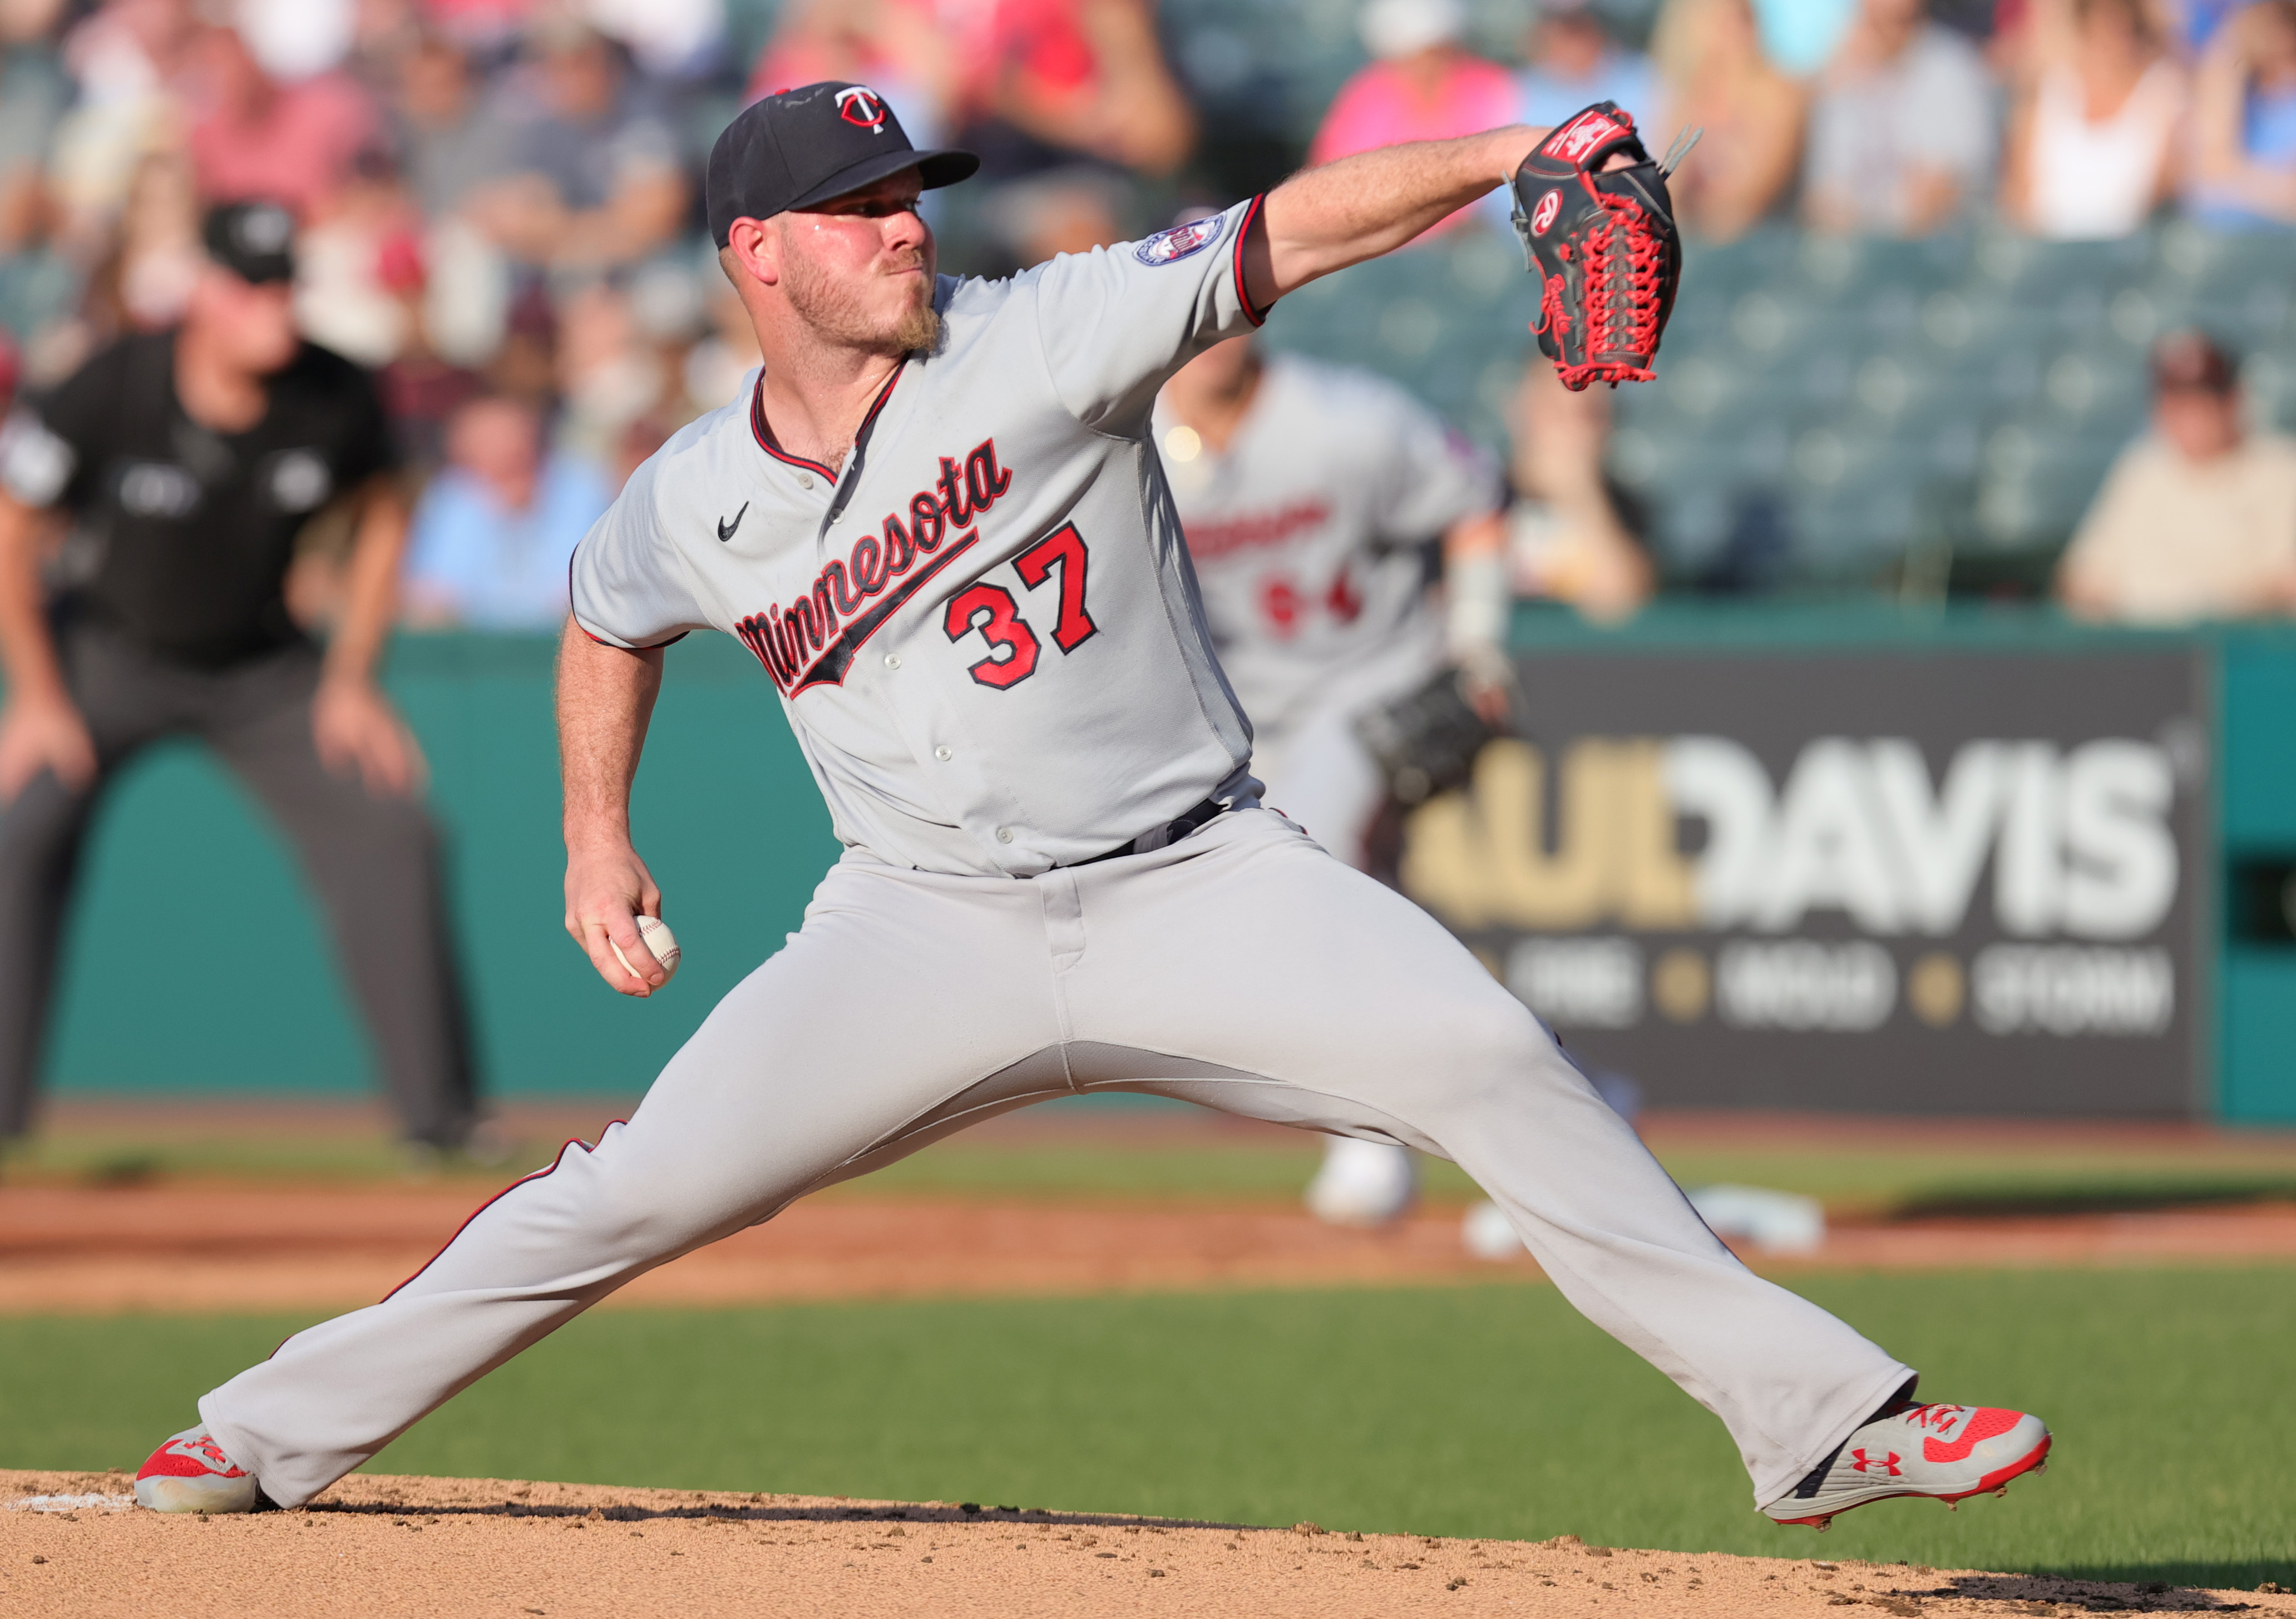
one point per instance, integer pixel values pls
(183, 535)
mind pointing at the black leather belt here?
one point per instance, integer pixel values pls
(1164, 836)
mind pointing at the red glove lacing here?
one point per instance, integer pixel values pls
(1625, 263)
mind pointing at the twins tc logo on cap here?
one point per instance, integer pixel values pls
(859, 105)
(1169, 246)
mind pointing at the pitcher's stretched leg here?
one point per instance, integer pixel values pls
(1322, 779)
(1292, 988)
(902, 991)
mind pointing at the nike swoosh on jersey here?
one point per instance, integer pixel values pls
(725, 529)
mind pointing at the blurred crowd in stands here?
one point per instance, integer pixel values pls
(499, 203)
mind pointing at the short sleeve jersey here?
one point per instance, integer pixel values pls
(182, 535)
(1308, 536)
(983, 628)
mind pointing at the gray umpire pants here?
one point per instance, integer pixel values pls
(373, 861)
(1242, 968)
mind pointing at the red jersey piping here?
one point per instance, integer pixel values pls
(575, 620)
(1258, 317)
(758, 422)
(547, 1170)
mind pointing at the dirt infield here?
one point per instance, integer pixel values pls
(220, 1248)
(72, 1544)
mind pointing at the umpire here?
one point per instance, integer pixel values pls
(187, 460)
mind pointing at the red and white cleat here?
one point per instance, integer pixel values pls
(1947, 1452)
(191, 1474)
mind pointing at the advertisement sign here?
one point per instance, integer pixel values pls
(1943, 880)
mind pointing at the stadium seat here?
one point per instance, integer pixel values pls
(2095, 392)
(2035, 275)
(1760, 258)
(2269, 376)
(1837, 266)
(1853, 501)
(2033, 490)
(1877, 394)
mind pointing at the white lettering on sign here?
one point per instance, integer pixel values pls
(1715, 781)
(2071, 989)
(2080, 841)
(1942, 839)
(2121, 862)
(1827, 849)
(1579, 983)
(1803, 985)
(1680, 833)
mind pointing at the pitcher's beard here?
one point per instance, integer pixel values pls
(920, 328)
(834, 307)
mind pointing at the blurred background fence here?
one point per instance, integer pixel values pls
(197, 965)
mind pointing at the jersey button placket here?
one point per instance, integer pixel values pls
(1004, 834)
(944, 753)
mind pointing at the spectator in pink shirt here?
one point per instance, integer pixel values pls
(255, 137)
(1424, 85)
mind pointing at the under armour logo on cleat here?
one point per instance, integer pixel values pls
(725, 529)
(1861, 1462)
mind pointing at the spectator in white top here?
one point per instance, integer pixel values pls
(1901, 138)
(495, 532)
(2198, 517)
(2090, 150)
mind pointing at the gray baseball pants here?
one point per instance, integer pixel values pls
(373, 861)
(1242, 968)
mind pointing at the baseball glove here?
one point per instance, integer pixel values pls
(1603, 245)
(1425, 742)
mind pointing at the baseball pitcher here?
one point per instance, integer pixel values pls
(937, 519)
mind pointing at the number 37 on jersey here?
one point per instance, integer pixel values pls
(813, 641)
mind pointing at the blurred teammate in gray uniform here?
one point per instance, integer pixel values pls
(1309, 493)
(937, 519)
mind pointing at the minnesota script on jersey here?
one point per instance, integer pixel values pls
(985, 634)
(1307, 537)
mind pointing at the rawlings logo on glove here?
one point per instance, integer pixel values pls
(1603, 245)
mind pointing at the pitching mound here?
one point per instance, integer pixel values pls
(74, 1544)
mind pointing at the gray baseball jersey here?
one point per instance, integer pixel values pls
(1306, 536)
(985, 632)
(988, 639)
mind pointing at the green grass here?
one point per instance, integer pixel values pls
(1869, 1179)
(1483, 1410)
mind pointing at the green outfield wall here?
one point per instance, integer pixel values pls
(196, 963)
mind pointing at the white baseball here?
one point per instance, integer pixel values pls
(658, 938)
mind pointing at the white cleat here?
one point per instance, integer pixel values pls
(1363, 1183)
(191, 1474)
(1947, 1452)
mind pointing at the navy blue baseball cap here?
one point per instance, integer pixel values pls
(254, 240)
(804, 146)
